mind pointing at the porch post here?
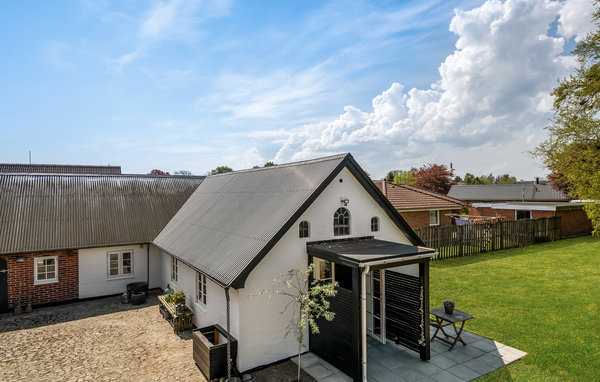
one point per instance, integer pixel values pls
(425, 352)
(363, 319)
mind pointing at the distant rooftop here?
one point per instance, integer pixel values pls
(59, 169)
(404, 197)
(522, 192)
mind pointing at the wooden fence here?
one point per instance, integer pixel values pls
(454, 241)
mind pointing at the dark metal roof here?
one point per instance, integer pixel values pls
(58, 169)
(364, 251)
(507, 192)
(49, 212)
(232, 220)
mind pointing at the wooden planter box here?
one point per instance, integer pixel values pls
(210, 351)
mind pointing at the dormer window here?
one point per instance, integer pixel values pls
(374, 224)
(341, 222)
(304, 229)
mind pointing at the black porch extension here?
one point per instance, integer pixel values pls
(383, 292)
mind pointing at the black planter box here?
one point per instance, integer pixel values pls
(210, 351)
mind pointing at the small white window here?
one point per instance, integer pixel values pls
(174, 267)
(120, 263)
(341, 222)
(434, 217)
(304, 229)
(200, 288)
(374, 224)
(522, 214)
(46, 270)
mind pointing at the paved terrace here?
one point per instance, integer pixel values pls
(392, 363)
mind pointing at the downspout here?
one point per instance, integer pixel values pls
(228, 335)
(363, 319)
(148, 264)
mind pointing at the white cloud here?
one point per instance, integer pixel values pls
(575, 18)
(492, 88)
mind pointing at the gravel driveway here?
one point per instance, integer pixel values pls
(97, 340)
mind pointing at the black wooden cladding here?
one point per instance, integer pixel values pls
(210, 357)
(3, 286)
(335, 342)
(402, 310)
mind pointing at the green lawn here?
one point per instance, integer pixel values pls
(542, 299)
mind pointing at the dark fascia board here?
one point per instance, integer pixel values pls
(383, 202)
(72, 248)
(240, 280)
(369, 186)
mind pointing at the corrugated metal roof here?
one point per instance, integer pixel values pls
(507, 192)
(58, 169)
(47, 212)
(231, 217)
(405, 197)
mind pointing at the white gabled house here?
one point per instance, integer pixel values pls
(234, 232)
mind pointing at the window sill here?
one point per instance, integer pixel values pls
(120, 278)
(44, 282)
(200, 306)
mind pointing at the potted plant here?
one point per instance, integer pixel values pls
(177, 298)
(449, 307)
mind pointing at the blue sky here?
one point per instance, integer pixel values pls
(191, 85)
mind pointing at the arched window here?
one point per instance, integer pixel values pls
(304, 229)
(374, 224)
(341, 222)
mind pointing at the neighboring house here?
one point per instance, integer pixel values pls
(58, 169)
(420, 208)
(233, 235)
(67, 237)
(524, 200)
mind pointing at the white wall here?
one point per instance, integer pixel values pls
(93, 271)
(262, 328)
(155, 267)
(214, 312)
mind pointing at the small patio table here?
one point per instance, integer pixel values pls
(452, 319)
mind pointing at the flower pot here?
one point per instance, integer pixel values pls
(180, 309)
(449, 309)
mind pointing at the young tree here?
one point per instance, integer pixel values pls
(308, 301)
(220, 170)
(434, 177)
(572, 150)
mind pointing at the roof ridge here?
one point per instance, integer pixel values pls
(289, 164)
(23, 174)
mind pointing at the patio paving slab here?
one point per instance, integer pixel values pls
(393, 363)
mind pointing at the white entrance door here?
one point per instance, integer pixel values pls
(376, 304)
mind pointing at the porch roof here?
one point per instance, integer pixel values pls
(360, 252)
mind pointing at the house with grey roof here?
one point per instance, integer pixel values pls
(221, 238)
(524, 200)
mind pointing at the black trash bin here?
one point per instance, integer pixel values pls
(139, 286)
(138, 298)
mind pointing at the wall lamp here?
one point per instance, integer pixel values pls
(345, 201)
(20, 259)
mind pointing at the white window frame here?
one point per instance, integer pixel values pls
(341, 229)
(36, 281)
(437, 215)
(517, 212)
(307, 229)
(120, 274)
(375, 224)
(201, 288)
(174, 269)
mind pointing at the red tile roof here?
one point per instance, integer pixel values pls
(404, 197)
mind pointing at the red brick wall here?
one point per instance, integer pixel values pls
(420, 219)
(574, 222)
(506, 214)
(21, 288)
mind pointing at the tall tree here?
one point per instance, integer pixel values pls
(270, 164)
(182, 172)
(434, 177)
(401, 176)
(572, 150)
(220, 170)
